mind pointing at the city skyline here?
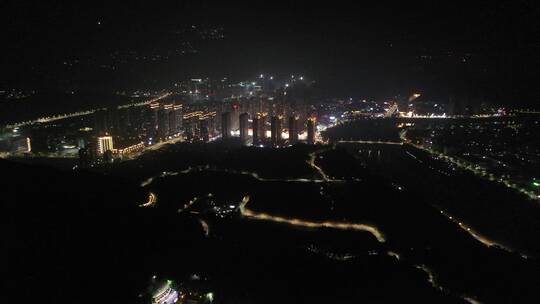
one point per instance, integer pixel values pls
(194, 152)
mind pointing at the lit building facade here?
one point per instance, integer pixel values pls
(104, 144)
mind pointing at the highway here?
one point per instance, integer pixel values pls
(477, 236)
(475, 169)
(81, 113)
(161, 144)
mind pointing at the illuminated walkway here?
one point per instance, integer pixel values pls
(309, 224)
(255, 175)
(370, 142)
(152, 200)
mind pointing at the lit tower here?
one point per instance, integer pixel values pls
(154, 109)
(311, 122)
(293, 129)
(178, 110)
(275, 129)
(104, 144)
(244, 127)
(259, 128)
(226, 125)
(256, 126)
(173, 127)
(163, 121)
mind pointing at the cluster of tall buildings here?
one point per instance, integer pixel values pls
(165, 120)
(258, 121)
(265, 130)
(120, 131)
(200, 125)
(156, 121)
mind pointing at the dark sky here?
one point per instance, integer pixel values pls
(484, 50)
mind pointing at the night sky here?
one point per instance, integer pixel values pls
(486, 51)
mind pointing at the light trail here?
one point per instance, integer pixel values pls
(311, 162)
(188, 204)
(471, 300)
(80, 113)
(371, 142)
(255, 175)
(394, 254)
(309, 224)
(147, 181)
(160, 145)
(152, 200)
(475, 169)
(432, 279)
(477, 236)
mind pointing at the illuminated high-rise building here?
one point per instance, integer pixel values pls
(163, 121)
(204, 130)
(152, 119)
(275, 130)
(293, 129)
(173, 128)
(256, 126)
(244, 127)
(155, 109)
(226, 125)
(210, 118)
(178, 111)
(104, 144)
(235, 117)
(311, 123)
(191, 124)
(245, 105)
(259, 128)
(101, 122)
